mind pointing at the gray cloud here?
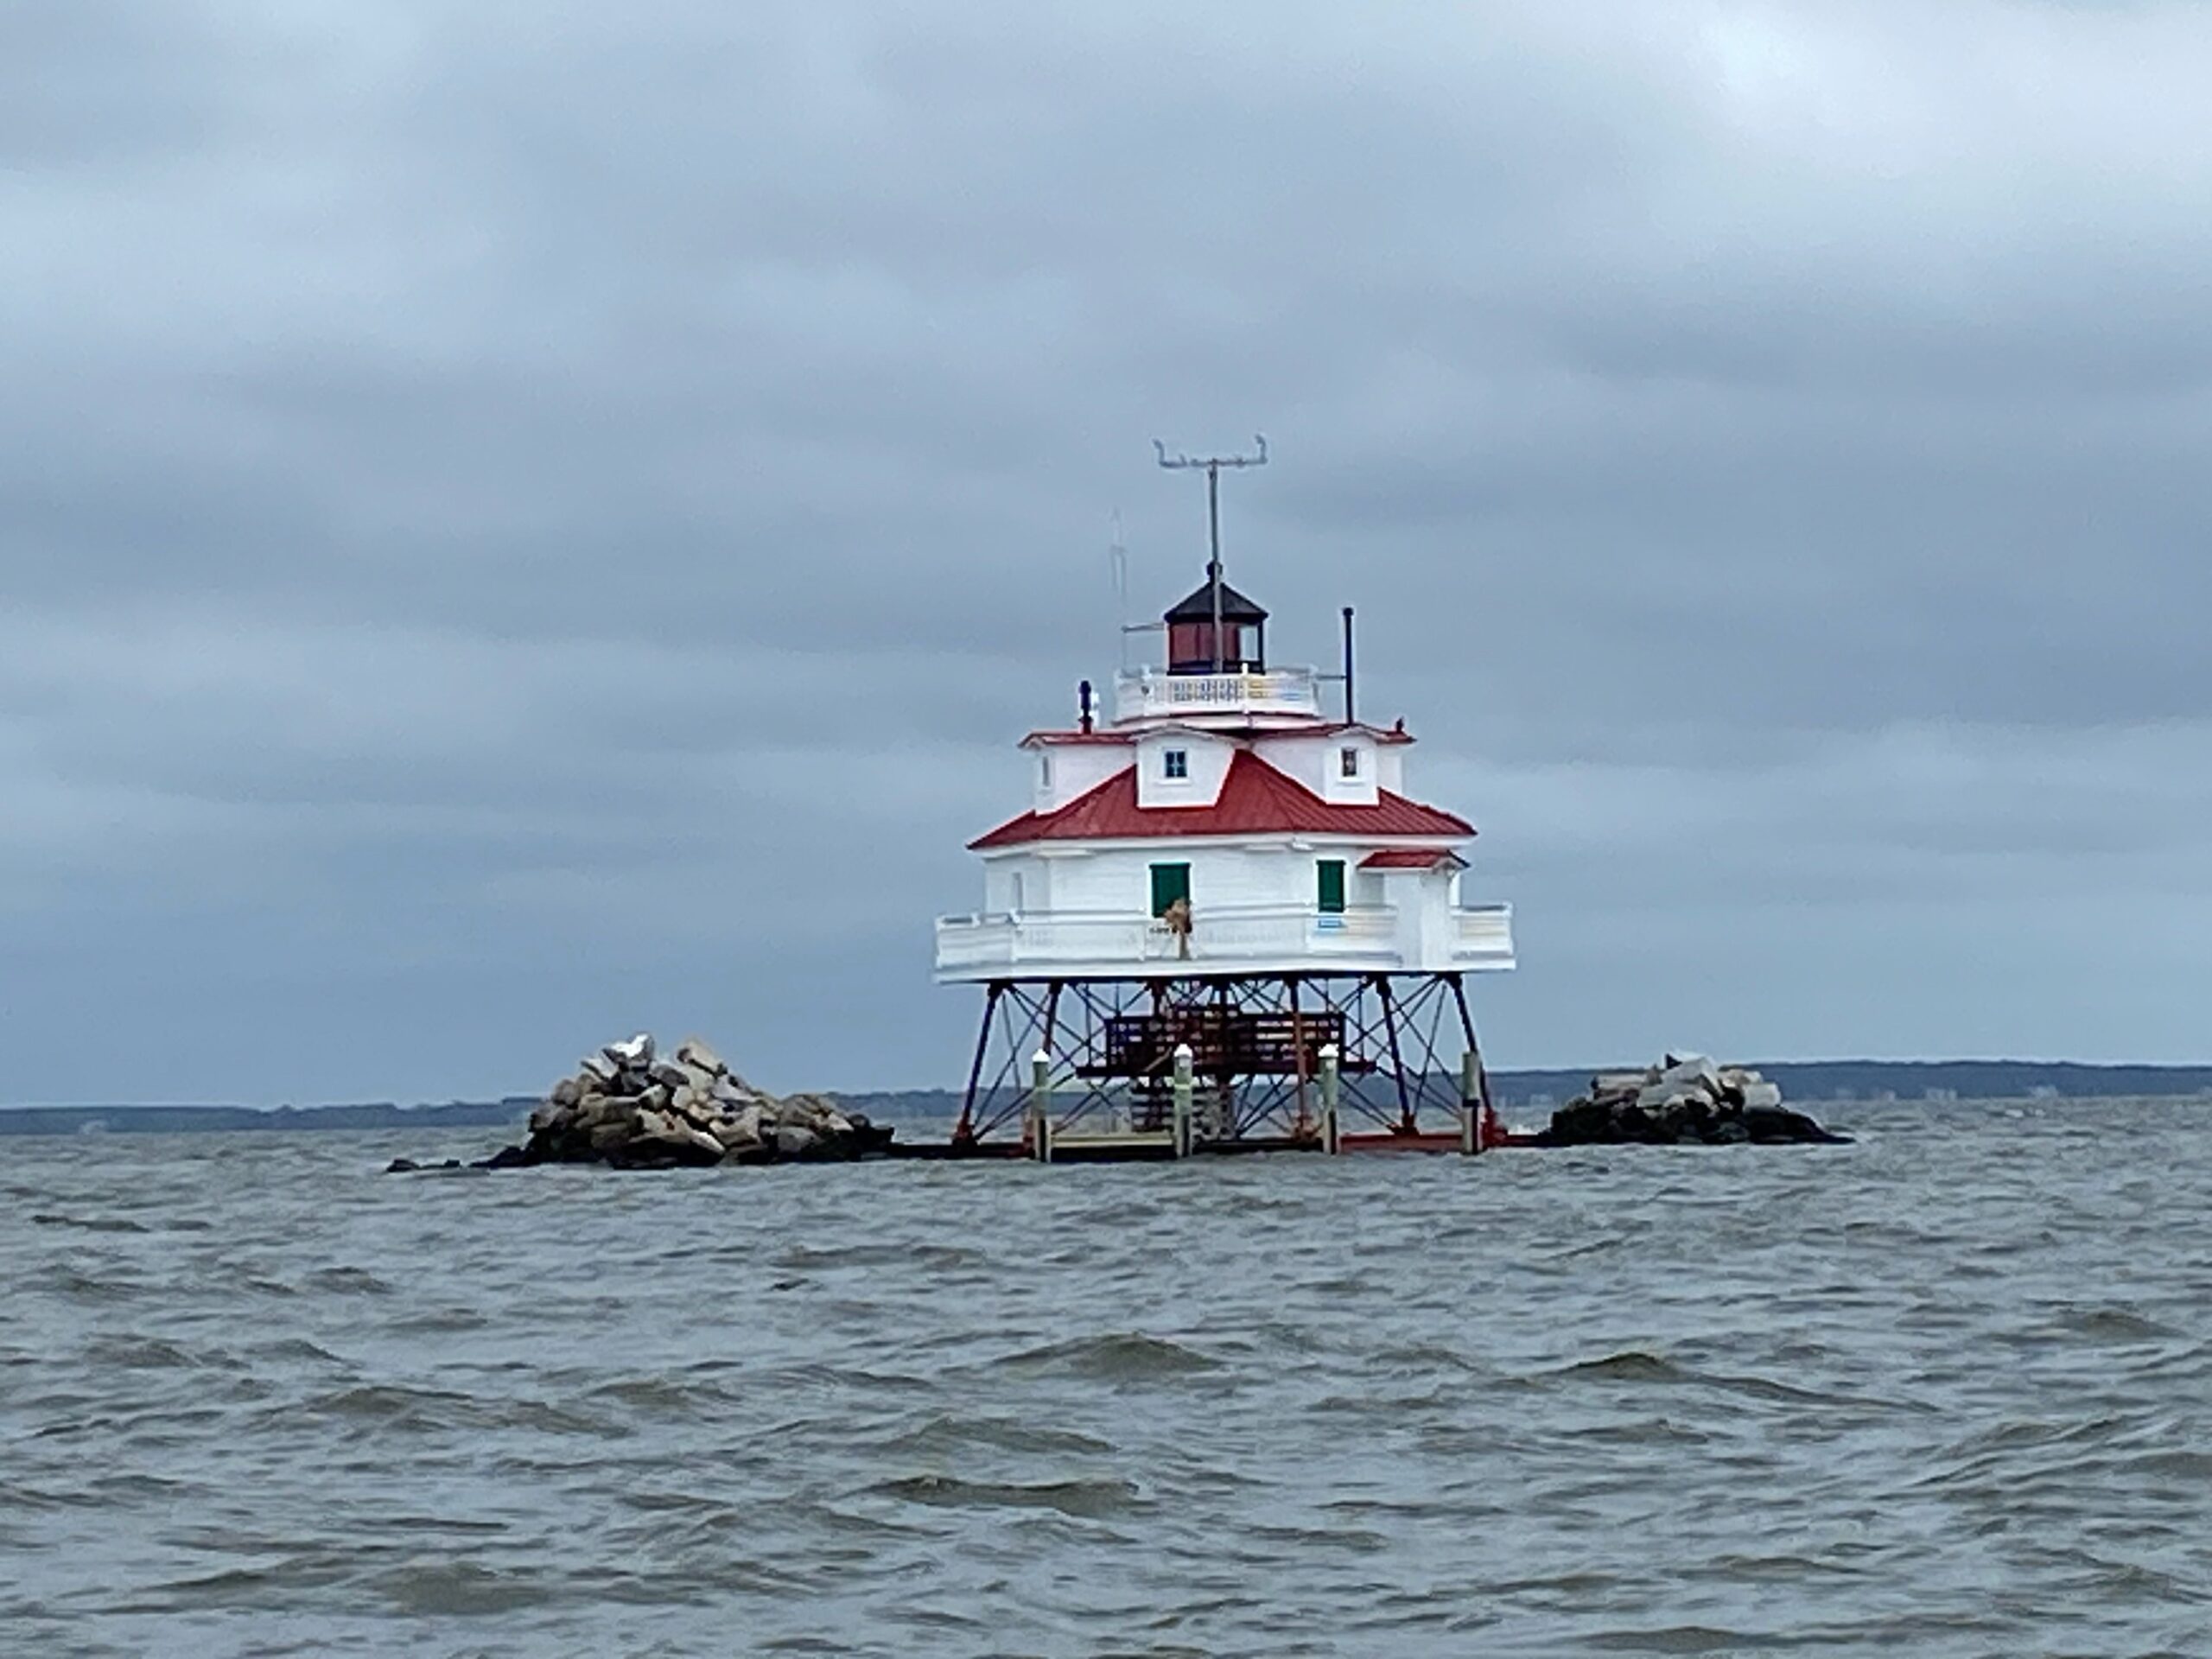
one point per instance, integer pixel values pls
(485, 498)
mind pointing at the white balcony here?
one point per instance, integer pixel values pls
(1482, 936)
(1152, 693)
(1246, 939)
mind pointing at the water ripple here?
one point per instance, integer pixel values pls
(1946, 1392)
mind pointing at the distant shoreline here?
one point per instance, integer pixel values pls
(1804, 1082)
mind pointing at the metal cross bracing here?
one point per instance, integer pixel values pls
(1256, 1048)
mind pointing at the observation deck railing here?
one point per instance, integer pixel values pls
(1154, 694)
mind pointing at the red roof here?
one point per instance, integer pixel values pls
(1411, 858)
(1058, 737)
(1124, 734)
(1256, 799)
(1397, 733)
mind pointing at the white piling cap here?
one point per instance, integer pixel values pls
(1040, 1058)
(1182, 1051)
(1329, 1051)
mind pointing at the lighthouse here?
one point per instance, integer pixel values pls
(1223, 901)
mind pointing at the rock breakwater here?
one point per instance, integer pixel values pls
(1687, 1101)
(629, 1106)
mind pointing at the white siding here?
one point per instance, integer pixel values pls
(1298, 758)
(1016, 882)
(1358, 789)
(1120, 879)
(1077, 769)
(1205, 758)
(1317, 763)
(1083, 881)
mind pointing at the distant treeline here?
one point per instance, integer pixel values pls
(200, 1120)
(1811, 1080)
(1804, 1080)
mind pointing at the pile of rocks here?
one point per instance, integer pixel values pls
(629, 1108)
(1689, 1100)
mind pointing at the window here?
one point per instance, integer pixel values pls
(1045, 770)
(1174, 763)
(1169, 883)
(1348, 763)
(1328, 887)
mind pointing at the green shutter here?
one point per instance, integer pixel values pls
(1169, 883)
(1330, 873)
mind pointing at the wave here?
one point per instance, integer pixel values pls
(1632, 1365)
(1124, 1356)
(1086, 1498)
(91, 1223)
(946, 1433)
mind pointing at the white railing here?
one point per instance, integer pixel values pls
(1222, 934)
(1149, 694)
(1362, 938)
(974, 941)
(1483, 933)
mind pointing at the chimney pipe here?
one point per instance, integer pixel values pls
(1349, 716)
(1083, 706)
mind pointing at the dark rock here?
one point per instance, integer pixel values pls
(1770, 1126)
(1700, 1104)
(1579, 1123)
(628, 1109)
(797, 1140)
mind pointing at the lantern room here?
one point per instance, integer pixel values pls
(1191, 647)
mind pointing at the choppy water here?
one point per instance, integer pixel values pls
(1947, 1392)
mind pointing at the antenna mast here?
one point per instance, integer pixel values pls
(1118, 565)
(1213, 464)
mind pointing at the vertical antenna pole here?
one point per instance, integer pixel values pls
(1349, 716)
(1213, 552)
(1117, 564)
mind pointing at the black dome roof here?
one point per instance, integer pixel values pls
(1199, 608)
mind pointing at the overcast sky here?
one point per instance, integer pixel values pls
(519, 521)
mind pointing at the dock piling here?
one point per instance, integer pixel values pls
(1470, 1102)
(1331, 1080)
(1184, 1090)
(1040, 1104)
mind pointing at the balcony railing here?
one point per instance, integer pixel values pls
(1482, 934)
(1151, 694)
(1363, 937)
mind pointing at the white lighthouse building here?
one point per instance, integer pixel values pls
(1290, 835)
(1222, 863)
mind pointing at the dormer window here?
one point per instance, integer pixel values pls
(1174, 763)
(1348, 763)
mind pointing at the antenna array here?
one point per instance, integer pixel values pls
(1212, 465)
